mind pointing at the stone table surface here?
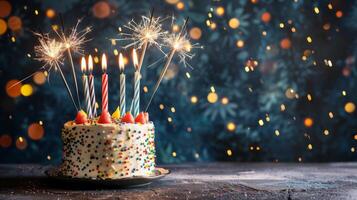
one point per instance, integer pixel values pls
(198, 181)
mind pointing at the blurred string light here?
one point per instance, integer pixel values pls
(5, 141)
(14, 23)
(39, 78)
(234, 23)
(35, 131)
(194, 99)
(26, 90)
(13, 88)
(212, 97)
(5, 8)
(50, 13)
(21, 143)
(195, 33)
(101, 9)
(308, 122)
(229, 152)
(3, 26)
(231, 126)
(266, 17)
(350, 107)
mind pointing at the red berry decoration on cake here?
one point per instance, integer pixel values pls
(81, 117)
(105, 118)
(128, 118)
(140, 119)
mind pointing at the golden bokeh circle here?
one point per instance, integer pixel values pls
(3, 26)
(180, 5)
(212, 97)
(13, 88)
(26, 90)
(308, 122)
(5, 8)
(285, 43)
(339, 14)
(5, 141)
(224, 100)
(266, 17)
(290, 93)
(39, 78)
(195, 33)
(240, 43)
(101, 9)
(234, 23)
(50, 13)
(231, 126)
(21, 143)
(194, 99)
(14, 23)
(35, 131)
(220, 11)
(350, 107)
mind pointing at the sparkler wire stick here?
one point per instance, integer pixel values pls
(145, 43)
(74, 75)
(66, 84)
(136, 99)
(166, 66)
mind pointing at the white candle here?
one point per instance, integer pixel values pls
(122, 85)
(91, 87)
(85, 87)
(136, 99)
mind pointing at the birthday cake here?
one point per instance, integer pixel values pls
(123, 148)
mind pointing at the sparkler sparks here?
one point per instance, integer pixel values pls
(178, 43)
(182, 46)
(149, 30)
(75, 40)
(49, 51)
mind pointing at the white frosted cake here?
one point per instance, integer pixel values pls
(108, 151)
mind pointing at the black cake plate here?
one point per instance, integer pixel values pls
(135, 181)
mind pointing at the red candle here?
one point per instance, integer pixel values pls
(104, 85)
(105, 117)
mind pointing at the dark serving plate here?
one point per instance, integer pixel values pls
(135, 181)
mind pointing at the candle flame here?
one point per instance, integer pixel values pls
(135, 60)
(121, 62)
(90, 63)
(83, 65)
(104, 62)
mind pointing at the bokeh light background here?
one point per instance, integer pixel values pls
(276, 80)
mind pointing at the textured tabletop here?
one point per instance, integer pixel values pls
(198, 181)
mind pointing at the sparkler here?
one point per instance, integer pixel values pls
(50, 52)
(145, 33)
(73, 42)
(179, 44)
